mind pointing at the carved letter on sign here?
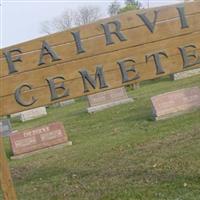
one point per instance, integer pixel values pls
(108, 54)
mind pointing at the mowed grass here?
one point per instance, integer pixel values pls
(117, 154)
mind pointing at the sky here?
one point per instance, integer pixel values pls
(20, 20)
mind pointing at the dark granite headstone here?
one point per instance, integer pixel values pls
(5, 127)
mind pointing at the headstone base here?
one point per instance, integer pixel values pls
(108, 105)
(185, 74)
(17, 157)
(157, 118)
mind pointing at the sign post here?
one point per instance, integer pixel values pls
(5, 175)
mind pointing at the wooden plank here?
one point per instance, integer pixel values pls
(129, 19)
(5, 176)
(168, 36)
(113, 79)
(135, 36)
(70, 70)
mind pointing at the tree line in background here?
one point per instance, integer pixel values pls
(86, 15)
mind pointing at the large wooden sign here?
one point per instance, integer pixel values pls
(133, 46)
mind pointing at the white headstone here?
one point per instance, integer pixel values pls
(185, 74)
(33, 113)
(16, 115)
(67, 102)
(62, 103)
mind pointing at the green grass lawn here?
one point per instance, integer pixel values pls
(117, 154)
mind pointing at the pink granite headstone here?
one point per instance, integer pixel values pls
(106, 99)
(31, 140)
(176, 102)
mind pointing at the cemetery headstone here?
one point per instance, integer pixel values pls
(33, 114)
(185, 74)
(62, 103)
(5, 127)
(135, 86)
(32, 140)
(106, 99)
(67, 102)
(176, 102)
(16, 115)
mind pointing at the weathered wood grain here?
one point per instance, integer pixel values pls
(70, 70)
(168, 36)
(96, 45)
(129, 19)
(113, 79)
(5, 176)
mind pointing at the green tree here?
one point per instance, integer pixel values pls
(131, 5)
(116, 8)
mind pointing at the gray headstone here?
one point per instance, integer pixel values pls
(5, 127)
(185, 74)
(33, 114)
(16, 115)
(67, 102)
(62, 103)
